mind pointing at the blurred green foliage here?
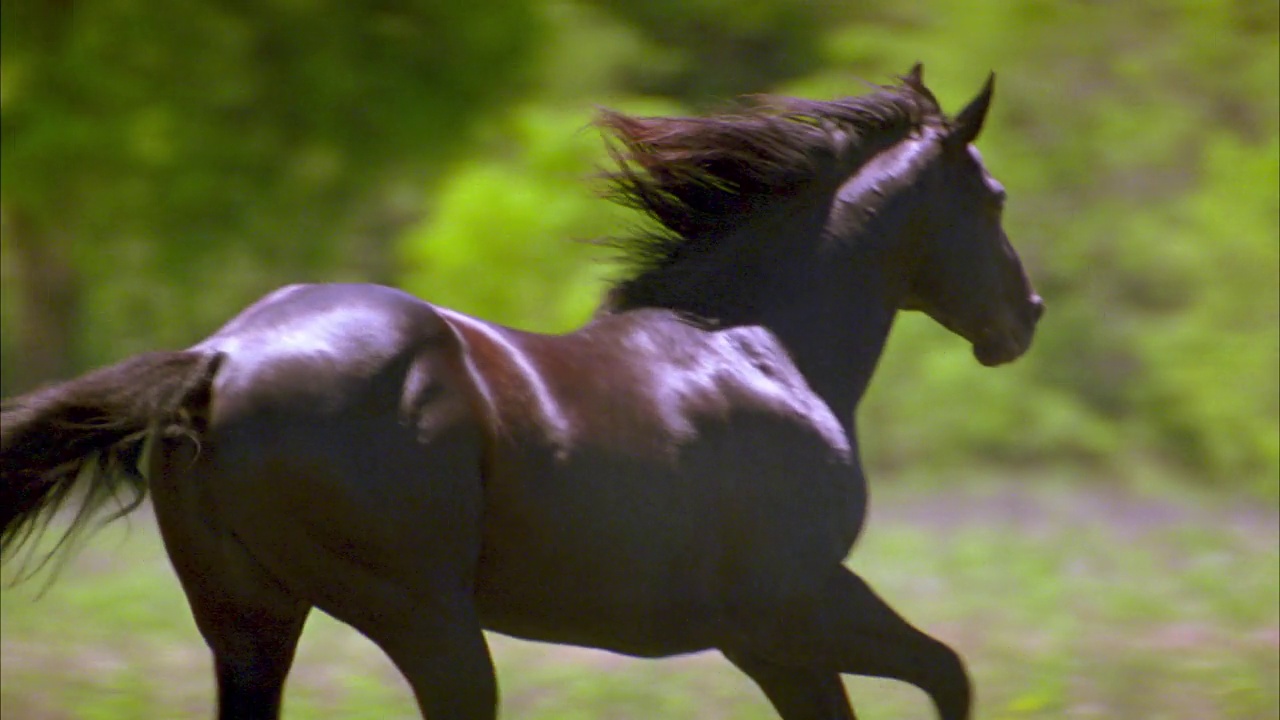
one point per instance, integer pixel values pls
(154, 153)
(163, 166)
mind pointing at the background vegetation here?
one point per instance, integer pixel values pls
(164, 164)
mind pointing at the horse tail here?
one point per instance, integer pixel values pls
(95, 432)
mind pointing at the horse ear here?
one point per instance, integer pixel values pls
(914, 81)
(915, 76)
(966, 126)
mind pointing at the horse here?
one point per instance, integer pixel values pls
(680, 474)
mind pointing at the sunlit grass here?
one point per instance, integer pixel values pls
(1066, 603)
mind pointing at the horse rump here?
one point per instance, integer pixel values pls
(92, 432)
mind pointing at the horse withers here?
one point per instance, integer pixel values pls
(680, 474)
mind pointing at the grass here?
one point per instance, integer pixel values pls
(1067, 603)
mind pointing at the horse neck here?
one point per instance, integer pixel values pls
(836, 304)
(836, 335)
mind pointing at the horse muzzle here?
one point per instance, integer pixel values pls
(1009, 341)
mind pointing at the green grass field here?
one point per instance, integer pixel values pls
(1067, 603)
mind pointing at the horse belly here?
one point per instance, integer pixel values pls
(650, 560)
(612, 557)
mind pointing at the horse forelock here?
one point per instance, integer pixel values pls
(702, 179)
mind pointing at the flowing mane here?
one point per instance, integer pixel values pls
(703, 179)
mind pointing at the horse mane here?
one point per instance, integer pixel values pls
(703, 179)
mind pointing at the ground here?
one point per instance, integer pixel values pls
(1067, 602)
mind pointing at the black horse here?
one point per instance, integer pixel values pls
(682, 473)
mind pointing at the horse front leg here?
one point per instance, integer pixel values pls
(846, 628)
(439, 647)
(862, 635)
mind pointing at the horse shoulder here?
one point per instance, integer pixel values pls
(792, 498)
(758, 371)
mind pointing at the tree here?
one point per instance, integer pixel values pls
(706, 52)
(156, 144)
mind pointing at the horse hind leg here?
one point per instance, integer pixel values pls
(250, 624)
(421, 614)
(247, 617)
(253, 641)
(411, 592)
(395, 555)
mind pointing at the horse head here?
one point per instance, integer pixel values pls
(964, 272)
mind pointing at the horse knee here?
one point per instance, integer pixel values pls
(867, 637)
(943, 677)
(845, 627)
